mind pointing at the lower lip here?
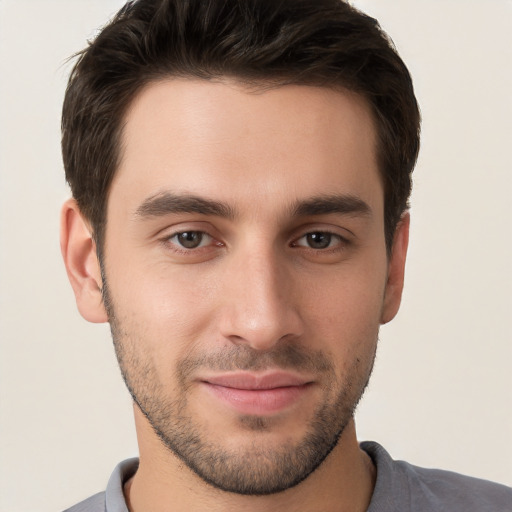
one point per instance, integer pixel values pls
(260, 401)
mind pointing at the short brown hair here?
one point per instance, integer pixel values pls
(271, 42)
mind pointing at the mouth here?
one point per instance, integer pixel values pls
(258, 393)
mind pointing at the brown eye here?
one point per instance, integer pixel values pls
(319, 240)
(189, 239)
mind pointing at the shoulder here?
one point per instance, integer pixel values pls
(94, 503)
(404, 486)
(112, 500)
(457, 492)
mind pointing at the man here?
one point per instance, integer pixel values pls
(240, 174)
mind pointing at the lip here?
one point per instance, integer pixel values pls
(258, 393)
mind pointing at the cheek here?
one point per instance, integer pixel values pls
(164, 311)
(350, 297)
(344, 313)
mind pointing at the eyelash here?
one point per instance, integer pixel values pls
(341, 243)
(177, 247)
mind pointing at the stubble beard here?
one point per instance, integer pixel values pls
(254, 469)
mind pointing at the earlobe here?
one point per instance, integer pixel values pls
(396, 270)
(79, 252)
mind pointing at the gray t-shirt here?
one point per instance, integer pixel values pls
(400, 487)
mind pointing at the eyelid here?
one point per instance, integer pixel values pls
(214, 240)
(342, 241)
(332, 229)
(206, 239)
(186, 225)
(166, 236)
(332, 235)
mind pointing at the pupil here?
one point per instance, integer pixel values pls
(319, 240)
(190, 239)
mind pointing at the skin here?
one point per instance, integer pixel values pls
(255, 286)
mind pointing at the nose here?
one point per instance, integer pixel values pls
(260, 301)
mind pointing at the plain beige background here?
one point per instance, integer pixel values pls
(441, 391)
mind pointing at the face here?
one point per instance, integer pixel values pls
(246, 273)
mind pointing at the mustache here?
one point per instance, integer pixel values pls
(290, 356)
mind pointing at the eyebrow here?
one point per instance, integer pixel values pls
(168, 203)
(332, 204)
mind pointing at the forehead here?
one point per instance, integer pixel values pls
(247, 146)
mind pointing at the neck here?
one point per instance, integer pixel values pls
(343, 482)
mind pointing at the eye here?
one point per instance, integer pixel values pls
(191, 239)
(319, 240)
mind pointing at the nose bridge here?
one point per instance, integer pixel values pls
(260, 308)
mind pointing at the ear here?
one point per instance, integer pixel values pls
(82, 265)
(396, 270)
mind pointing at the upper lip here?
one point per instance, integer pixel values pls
(257, 381)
